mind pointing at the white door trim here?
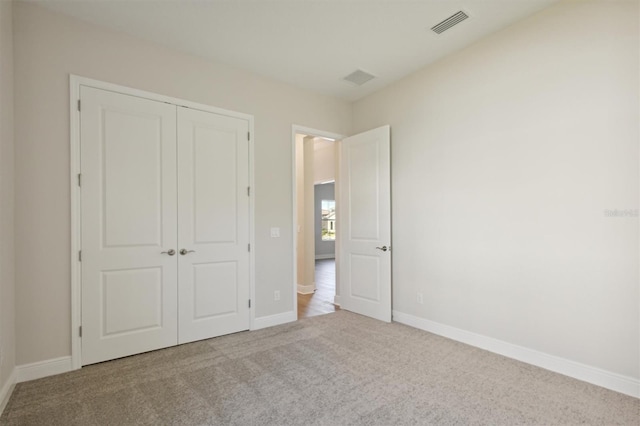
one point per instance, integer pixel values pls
(296, 129)
(75, 82)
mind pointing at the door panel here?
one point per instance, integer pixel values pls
(213, 211)
(128, 205)
(214, 289)
(364, 190)
(364, 279)
(125, 300)
(365, 223)
(131, 153)
(215, 182)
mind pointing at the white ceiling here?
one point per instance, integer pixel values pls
(311, 44)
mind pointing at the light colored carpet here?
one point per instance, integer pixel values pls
(335, 369)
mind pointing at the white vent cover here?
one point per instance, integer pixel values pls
(454, 19)
(359, 77)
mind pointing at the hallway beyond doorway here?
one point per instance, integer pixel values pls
(321, 301)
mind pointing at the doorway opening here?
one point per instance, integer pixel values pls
(316, 228)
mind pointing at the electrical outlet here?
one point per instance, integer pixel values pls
(275, 232)
(276, 295)
(420, 300)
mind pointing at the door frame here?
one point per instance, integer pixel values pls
(75, 82)
(296, 129)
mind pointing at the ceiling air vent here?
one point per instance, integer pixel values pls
(359, 77)
(449, 22)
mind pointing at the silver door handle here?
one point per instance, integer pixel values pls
(170, 252)
(185, 251)
(384, 248)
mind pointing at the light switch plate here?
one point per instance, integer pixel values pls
(275, 232)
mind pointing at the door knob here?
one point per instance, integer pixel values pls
(384, 248)
(185, 251)
(170, 252)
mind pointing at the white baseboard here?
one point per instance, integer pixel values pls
(38, 370)
(271, 320)
(606, 379)
(336, 301)
(325, 256)
(306, 289)
(7, 390)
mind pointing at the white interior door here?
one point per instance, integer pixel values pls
(364, 224)
(128, 208)
(213, 229)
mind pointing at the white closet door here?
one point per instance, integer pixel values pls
(213, 227)
(129, 287)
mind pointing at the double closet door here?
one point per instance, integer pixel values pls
(165, 224)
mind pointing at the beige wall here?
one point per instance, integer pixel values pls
(324, 164)
(505, 157)
(48, 47)
(7, 283)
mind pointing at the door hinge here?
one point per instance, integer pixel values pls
(249, 302)
(248, 191)
(79, 179)
(248, 136)
(78, 104)
(79, 255)
(80, 331)
(248, 247)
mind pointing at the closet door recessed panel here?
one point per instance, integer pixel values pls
(131, 151)
(215, 181)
